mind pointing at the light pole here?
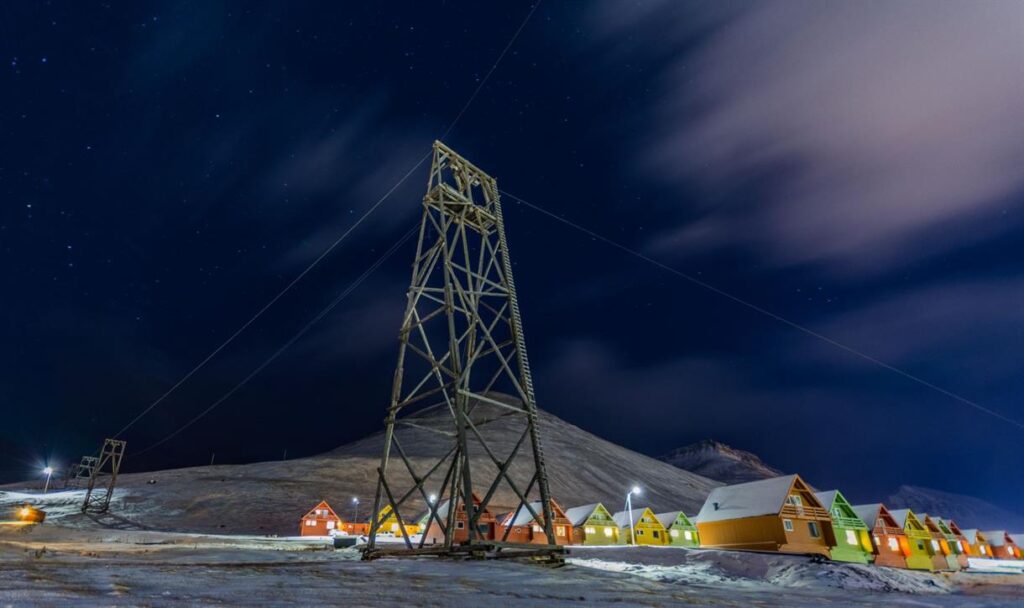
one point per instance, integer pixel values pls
(355, 509)
(48, 471)
(629, 508)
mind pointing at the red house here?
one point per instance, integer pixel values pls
(1002, 545)
(321, 521)
(485, 523)
(889, 540)
(524, 529)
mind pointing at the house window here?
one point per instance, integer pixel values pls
(608, 532)
(674, 533)
(394, 527)
(639, 532)
(878, 541)
(559, 530)
(935, 545)
(537, 528)
(920, 546)
(894, 544)
(983, 551)
(656, 534)
(310, 522)
(963, 545)
(460, 524)
(851, 537)
(787, 524)
(330, 524)
(589, 530)
(688, 535)
(517, 529)
(812, 527)
(795, 500)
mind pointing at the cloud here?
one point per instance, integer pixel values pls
(867, 127)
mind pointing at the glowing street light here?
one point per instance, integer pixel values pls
(432, 498)
(355, 509)
(629, 508)
(48, 471)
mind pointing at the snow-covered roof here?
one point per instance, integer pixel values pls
(764, 497)
(578, 515)
(668, 519)
(622, 517)
(996, 538)
(900, 515)
(522, 516)
(971, 534)
(827, 498)
(868, 513)
(1017, 538)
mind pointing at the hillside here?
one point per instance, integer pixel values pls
(270, 497)
(718, 461)
(966, 511)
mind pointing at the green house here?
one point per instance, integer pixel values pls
(593, 525)
(920, 540)
(681, 531)
(942, 536)
(853, 540)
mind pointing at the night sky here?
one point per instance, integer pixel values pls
(167, 168)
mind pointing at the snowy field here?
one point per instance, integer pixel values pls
(81, 561)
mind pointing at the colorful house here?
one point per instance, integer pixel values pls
(521, 527)
(1018, 541)
(681, 531)
(321, 521)
(389, 523)
(592, 525)
(887, 536)
(644, 527)
(779, 514)
(920, 540)
(965, 546)
(853, 543)
(978, 543)
(936, 549)
(1002, 545)
(434, 534)
(946, 541)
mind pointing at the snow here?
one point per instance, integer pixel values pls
(749, 499)
(996, 538)
(578, 515)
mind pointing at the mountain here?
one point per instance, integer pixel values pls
(718, 461)
(966, 511)
(270, 497)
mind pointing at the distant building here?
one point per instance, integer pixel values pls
(946, 551)
(681, 531)
(920, 540)
(853, 542)
(887, 536)
(592, 525)
(434, 534)
(646, 529)
(522, 528)
(389, 524)
(966, 551)
(321, 521)
(778, 514)
(1003, 545)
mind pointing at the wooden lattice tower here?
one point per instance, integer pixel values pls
(461, 350)
(98, 495)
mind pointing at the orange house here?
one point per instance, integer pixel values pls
(980, 546)
(522, 528)
(891, 546)
(779, 514)
(321, 521)
(1002, 545)
(485, 523)
(965, 547)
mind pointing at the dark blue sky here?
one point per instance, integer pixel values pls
(167, 168)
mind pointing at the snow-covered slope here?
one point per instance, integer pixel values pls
(270, 497)
(966, 511)
(718, 461)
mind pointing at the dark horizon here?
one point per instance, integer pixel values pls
(168, 168)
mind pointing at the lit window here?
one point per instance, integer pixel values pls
(310, 522)
(795, 500)
(330, 525)
(983, 552)
(589, 530)
(878, 541)
(674, 533)
(688, 535)
(394, 527)
(963, 545)
(894, 544)
(812, 526)
(787, 524)
(560, 530)
(608, 532)
(935, 545)
(851, 537)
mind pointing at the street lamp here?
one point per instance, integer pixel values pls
(48, 471)
(629, 507)
(432, 499)
(355, 509)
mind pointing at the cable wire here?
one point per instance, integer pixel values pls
(765, 312)
(338, 241)
(295, 338)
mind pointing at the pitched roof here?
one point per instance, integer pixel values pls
(996, 538)
(321, 505)
(668, 519)
(763, 497)
(868, 513)
(622, 517)
(901, 516)
(1017, 538)
(578, 515)
(971, 534)
(827, 498)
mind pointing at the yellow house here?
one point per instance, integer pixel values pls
(389, 523)
(645, 527)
